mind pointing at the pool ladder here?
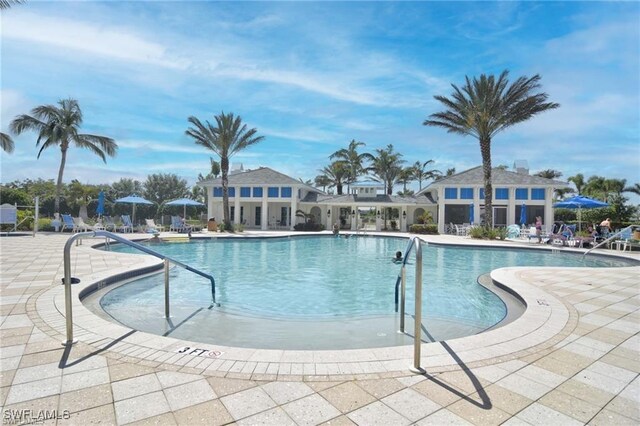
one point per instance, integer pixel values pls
(401, 288)
(109, 235)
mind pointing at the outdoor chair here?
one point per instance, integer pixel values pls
(80, 225)
(151, 226)
(178, 225)
(67, 223)
(127, 226)
(109, 223)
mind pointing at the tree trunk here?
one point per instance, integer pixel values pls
(224, 166)
(485, 150)
(339, 188)
(63, 160)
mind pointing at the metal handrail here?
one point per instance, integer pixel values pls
(417, 339)
(608, 239)
(110, 235)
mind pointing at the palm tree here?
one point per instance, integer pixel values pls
(7, 143)
(226, 138)
(406, 176)
(337, 174)
(422, 173)
(578, 181)
(486, 106)
(6, 4)
(214, 173)
(322, 181)
(549, 174)
(387, 166)
(355, 161)
(59, 126)
(635, 189)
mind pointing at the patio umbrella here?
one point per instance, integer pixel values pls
(579, 202)
(523, 214)
(100, 208)
(133, 199)
(184, 202)
(471, 213)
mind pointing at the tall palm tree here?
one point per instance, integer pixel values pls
(486, 106)
(59, 126)
(7, 143)
(337, 174)
(549, 174)
(578, 181)
(355, 162)
(387, 166)
(405, 177)
(226, 138)
(322, 181)
(422, 173)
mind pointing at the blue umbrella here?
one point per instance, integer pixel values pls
(184, 202)
(100, 208)
(133, 199)
(523, 214)
(579, 202)
(471, 213)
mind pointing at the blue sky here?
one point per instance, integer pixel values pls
(311, 76)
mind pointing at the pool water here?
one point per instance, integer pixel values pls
(334, 282)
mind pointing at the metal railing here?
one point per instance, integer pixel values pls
(610, 238)
(109, 235)
(415, 244)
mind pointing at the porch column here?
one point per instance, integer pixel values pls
(548, 208)
(294, 207)
(404, 218)
(441, 206)
(236, 210)
(264, 220)
(511, 207)
(210, 212)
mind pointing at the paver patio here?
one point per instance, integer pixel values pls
(573, 358)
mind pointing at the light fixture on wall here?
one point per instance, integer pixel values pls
(353, 212)
(404, 215)
(378, 213)
(328, 213)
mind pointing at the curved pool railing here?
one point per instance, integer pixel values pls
(109, 235)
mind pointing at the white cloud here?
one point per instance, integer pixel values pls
(97, 39)
(155, 146)
(12, 103)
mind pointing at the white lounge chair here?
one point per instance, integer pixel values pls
(151, 226)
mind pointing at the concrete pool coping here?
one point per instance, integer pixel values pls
(546, 322)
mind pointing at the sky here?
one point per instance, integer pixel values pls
(312, 76)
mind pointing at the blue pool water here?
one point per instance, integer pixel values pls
(324, 278)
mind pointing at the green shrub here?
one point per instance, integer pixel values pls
(239, 227)
(425, 218)
(394, 225)
(309, 227)
(477, 232)
(423, 229)
(221, 226)
(44, 224)
(488, 233)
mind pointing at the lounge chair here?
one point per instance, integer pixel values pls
(178, 225)
(127, 226)
(151, 226)
(109, 224)
(67, 223)
(80, 225)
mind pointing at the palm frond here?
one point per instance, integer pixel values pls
(6, 142)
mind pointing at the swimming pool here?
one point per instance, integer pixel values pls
(319, 292)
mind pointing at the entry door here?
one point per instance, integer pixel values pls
(258, 220)
(499, 216)
(284, 218)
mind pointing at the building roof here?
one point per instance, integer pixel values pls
(367, 184)
(355, 199)
(499, 176)
(261, 176)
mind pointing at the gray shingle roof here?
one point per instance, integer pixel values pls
(498, 177)
(261, 176)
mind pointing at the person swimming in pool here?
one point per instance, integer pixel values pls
(397, 258)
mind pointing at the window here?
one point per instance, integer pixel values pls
(232, 192)
(273, 191)
(466, 193)
(502, 193)
(450, 193)
(522, 193)
(217, 191)
(537, 193)
(257, 192)
(258, 216)
(286, 192)
(482, 193)
(245, 191)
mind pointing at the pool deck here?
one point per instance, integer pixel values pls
(572, 358)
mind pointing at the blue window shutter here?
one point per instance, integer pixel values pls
(466, 193)
(285, 192)
(273, 192)
(537, 193)
(245, 191)
(217, 191)
(522, 193)
(502, 193)
(257, 192)
(451, 193)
